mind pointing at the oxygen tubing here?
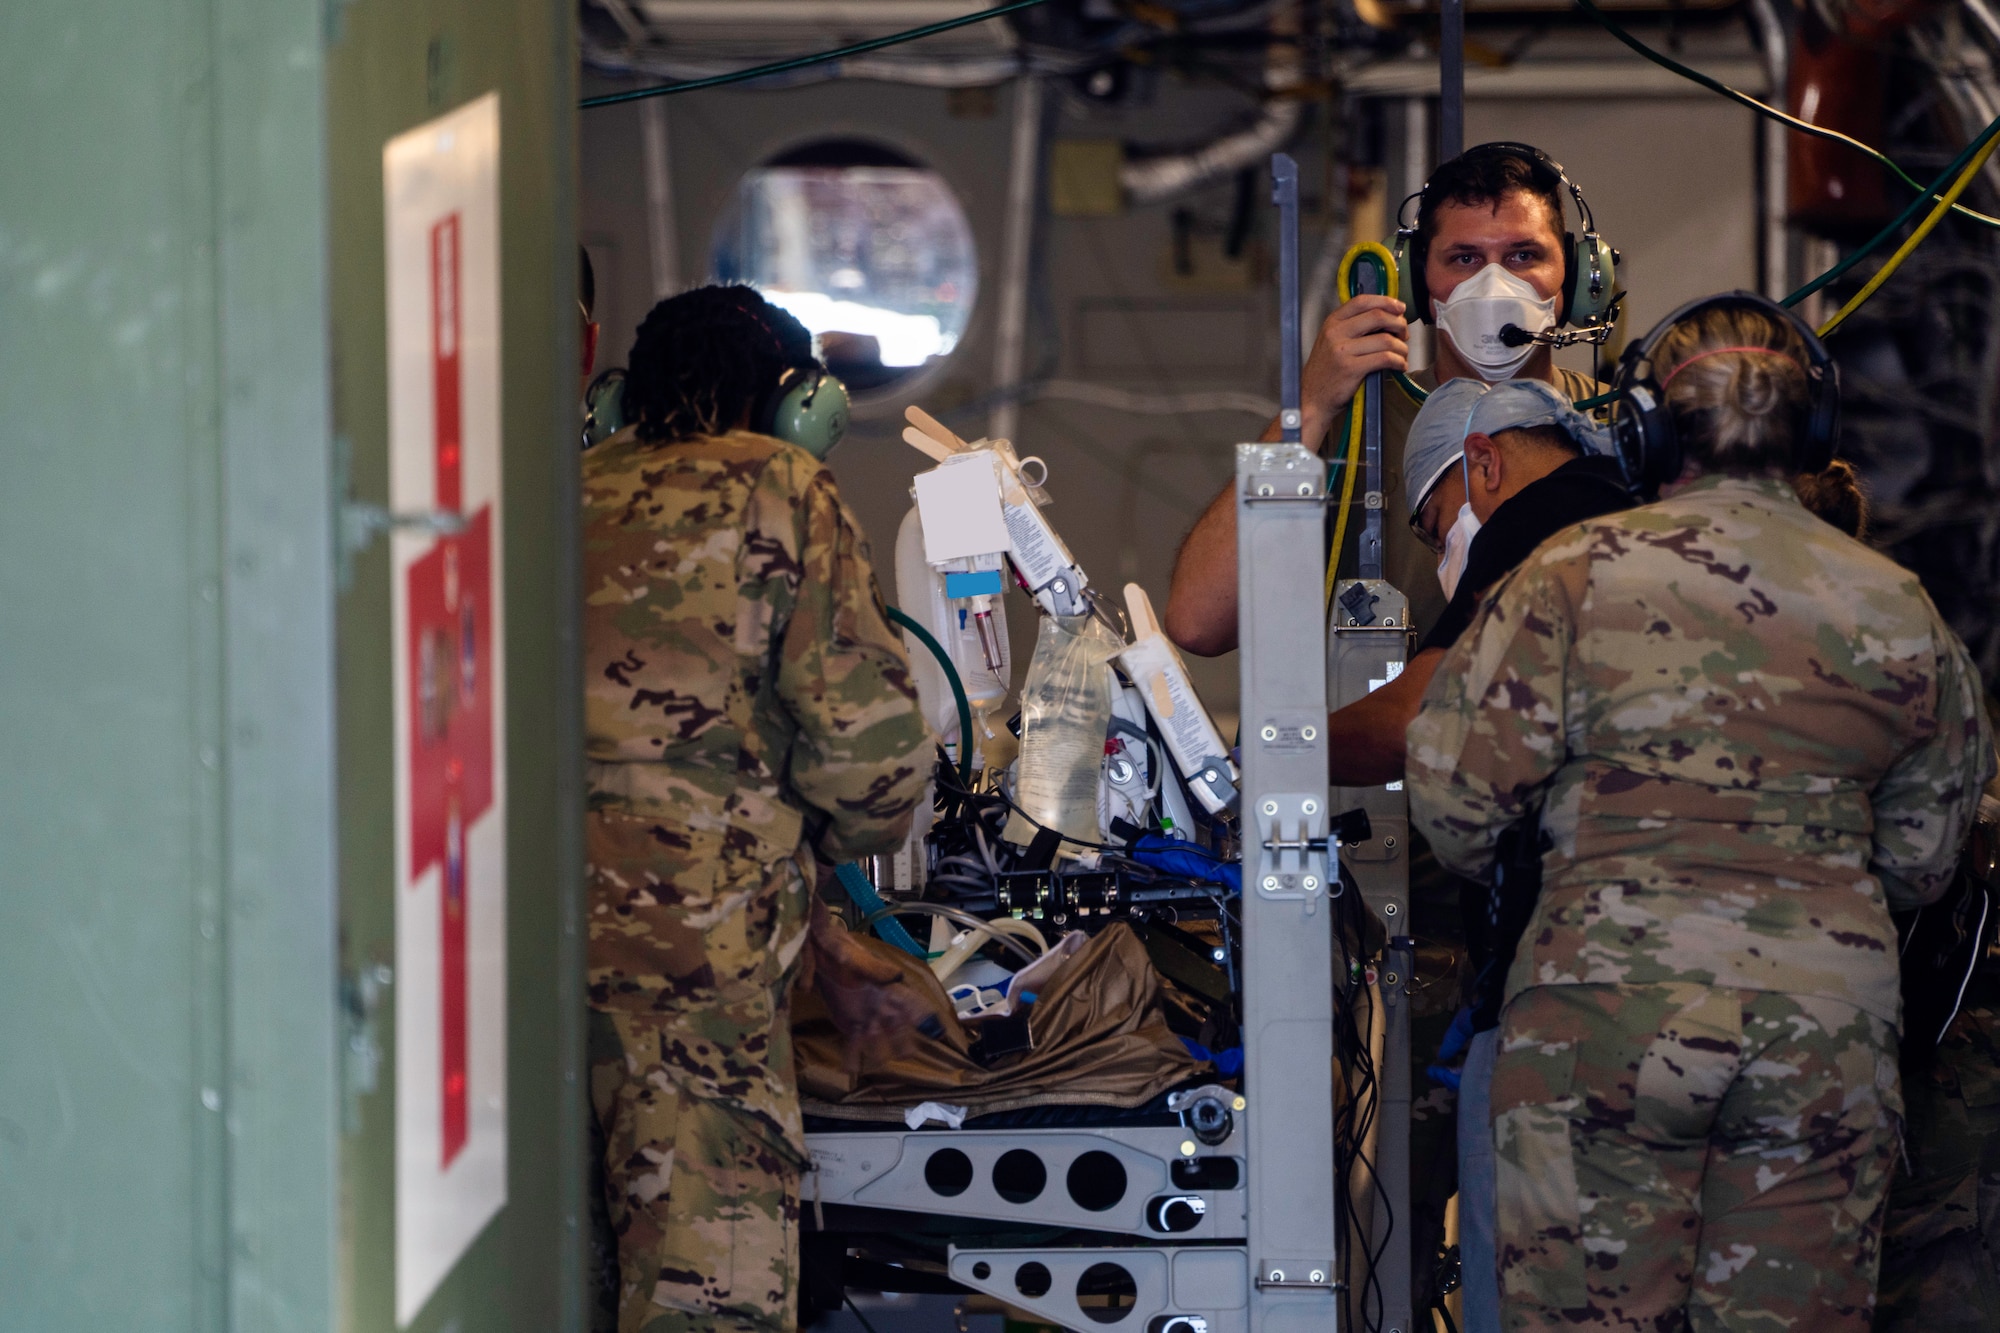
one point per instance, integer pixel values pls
(961, 917)
(1896, 223)
(1349, 466)
(874, 911)
(1924, 228)
(957, 690)
(1964, 168)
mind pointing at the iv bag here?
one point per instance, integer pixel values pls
(1065, 713)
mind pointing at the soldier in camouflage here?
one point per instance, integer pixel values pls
(746, 703)
(1749, 736)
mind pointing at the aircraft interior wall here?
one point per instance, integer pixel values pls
(1145, 300)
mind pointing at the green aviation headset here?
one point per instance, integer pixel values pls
(1590, 265)
(807, 407)
(1644, 438)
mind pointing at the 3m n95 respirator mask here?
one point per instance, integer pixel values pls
(1484, 304)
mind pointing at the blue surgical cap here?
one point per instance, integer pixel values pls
(1472, 407)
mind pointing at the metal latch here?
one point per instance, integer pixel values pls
(360, 522)
(1293, 848)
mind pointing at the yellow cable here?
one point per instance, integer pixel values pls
(1374, 250)
(1377, 251)
(1916, 238)
(1346, 488)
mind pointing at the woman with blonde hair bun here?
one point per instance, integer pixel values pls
(1737, 386)
(1746, 736)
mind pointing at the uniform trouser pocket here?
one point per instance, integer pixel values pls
(1686, 1154)
(1538, 1257)
(704, 1209)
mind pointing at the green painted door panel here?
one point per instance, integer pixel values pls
(167, 1051)
(393, 66)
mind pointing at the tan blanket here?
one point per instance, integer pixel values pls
(1098, 1038)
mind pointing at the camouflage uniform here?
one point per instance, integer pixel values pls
(1750, 736)
(743, 689)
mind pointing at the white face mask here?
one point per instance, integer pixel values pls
(1457, 544)
(1478, 308)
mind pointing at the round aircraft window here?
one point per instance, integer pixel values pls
(869, 249)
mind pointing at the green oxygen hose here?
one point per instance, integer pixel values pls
(957, 690)
(850, 875)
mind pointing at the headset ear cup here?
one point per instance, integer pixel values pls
(1649, 451)
(1583, 308)
(1822, 423)
(1665, 451)
(1572, 253)
(811, 411)
(764, 416)
(1410, 277)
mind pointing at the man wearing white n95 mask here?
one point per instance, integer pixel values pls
(1491, 249)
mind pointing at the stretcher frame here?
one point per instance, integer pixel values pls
(1263, 1252)
(1260, 1255)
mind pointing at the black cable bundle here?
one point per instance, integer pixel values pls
(967, 851)
(1353, 1014)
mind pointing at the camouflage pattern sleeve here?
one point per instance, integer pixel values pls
(862, 753)
(1925, 804)
(1491, 732)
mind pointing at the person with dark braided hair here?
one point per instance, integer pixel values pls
(747, 709)
(706, 359)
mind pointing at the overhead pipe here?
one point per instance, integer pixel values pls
(1775, 240)
(1152, 179)
(1451, 79)
(1024, 179)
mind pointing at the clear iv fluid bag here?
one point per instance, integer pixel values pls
(1065, 713)
(920, 594)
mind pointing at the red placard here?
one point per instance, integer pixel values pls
(451, 760)
(441, 236)
(447, 375)
(450, 610)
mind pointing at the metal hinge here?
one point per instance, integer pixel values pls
(360, 1048)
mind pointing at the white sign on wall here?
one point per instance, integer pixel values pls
(441, 192)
